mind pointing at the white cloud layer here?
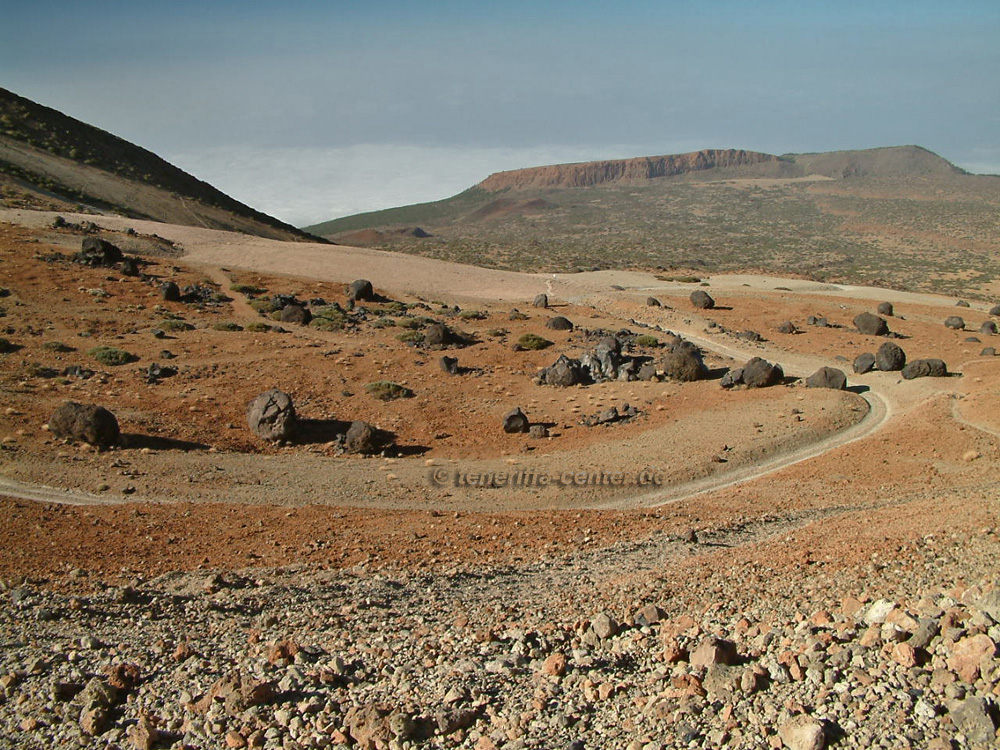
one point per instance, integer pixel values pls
(304, 186)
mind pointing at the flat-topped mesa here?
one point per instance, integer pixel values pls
(585, 174)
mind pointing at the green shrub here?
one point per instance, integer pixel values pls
(111, 356)
(680, 279)
(227, 326)
(497, 332)
(532, 342)
(175, 325)
(263, 306)
(517, 315)
(328, 318)
(57, 346)
(247, 289)
(258, 327)
(385, 390)
(410, 337)
(383, 323)
(473, 315)
(410, 323)
(274, 315)
(647, 341)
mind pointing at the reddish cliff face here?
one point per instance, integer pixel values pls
(625, 170)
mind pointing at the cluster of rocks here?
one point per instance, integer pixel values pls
(612, 415)
(98, 253)
(756, 373)
(272, 417)
(193, 294)
(681, 360)
(890, 357)
(496, 659)
(516, 422)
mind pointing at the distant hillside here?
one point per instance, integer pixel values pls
(50, 160)
(899, 216)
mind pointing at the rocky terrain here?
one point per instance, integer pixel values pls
(813, 567)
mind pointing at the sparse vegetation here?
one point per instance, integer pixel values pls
(174, 325)
(329, 318)
(258, 327)
(532, 342)
(410, 337)
(645, 340)
(247, 289)
(473, 315)
(111, 356)
(227, 326)
(385, 390)
(263, 306)
(58, 346)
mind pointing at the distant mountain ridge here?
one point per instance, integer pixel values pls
(48, 159)
(893, 161)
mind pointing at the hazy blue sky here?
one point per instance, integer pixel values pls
(311, 110)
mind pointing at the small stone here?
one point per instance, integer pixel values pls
(604, 626)
(555, 665)
(803, 732)
(714, 650)
(905, 655)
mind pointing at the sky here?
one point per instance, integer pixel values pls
(314, 110)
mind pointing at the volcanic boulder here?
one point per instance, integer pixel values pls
(759, 373)
(787, 327)
(925, 368)
(564, 372)
(995, 310)
(449, 365)
(296, 314)
(271, 415)
(890, 357)
(989, 327)
(170, 291)
(653, 302)
(365, 439)
(864, 363)
(827, 377)
(437, 336)
(885, 308)
(360, 290)
(684, 363)
(559, 323)
(541, 300)
(96, 252)
(955, 322)
(702, 300)
(87, 422)
(515, 421)
(871, 325)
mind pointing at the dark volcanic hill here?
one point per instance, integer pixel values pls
(898, 216)
(49, 160)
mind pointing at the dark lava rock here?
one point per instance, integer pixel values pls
(732, 378)
(559, 323)
(296, 314)
(564, 372)
(365, 439)
(955, 322)
(702, 300)
(885, 308)
(170, 291)
(989, 327)
(360, 291)
(87, 422)
(541, 300)
(871, 325)
(890, 357)
(864, 363)
(988, 351)
(515, 421)
(759, 373)
(685, 364)
(653, 302)
(962, 303)
(272, 415)
(449, 365)
(827, 377)
(787, 327)
(925, 368)
(96, 252)
(437, 336)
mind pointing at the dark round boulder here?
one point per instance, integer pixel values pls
(97, 252)
(864, 363)
(989, 327)
(360, 290)
(995, 310)
(955, 322)
(702, 300)
(827, 377)
(871, 325)
(787, 327)
(684, 363)
(653, 302)
(87, 422)
(296, 314)
(564, 372)
(885, 308)
(170, 291)
(365, 439)
(541, 300)
(988, 351)
(559, 323)
(515, 421)
(449, 365)
(890, 357)
(925, 368)
(130, 267)
(759, 373)
(437, 336)
(271, 415)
